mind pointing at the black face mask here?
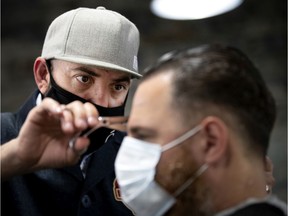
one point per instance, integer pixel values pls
(98, 137)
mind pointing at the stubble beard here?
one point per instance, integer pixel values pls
(193, 203)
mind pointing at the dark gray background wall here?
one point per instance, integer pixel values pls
(259, 28)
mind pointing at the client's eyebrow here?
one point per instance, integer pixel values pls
(142, 133)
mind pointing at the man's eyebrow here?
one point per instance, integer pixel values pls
(124, 78)
(87, 70)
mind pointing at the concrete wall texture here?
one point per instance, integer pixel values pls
(259, 28)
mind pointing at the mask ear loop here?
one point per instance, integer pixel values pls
(182, 138)
(178, 141)
(199, 172)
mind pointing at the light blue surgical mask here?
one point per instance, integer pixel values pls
(135, 168)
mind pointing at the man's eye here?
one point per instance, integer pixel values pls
(83, 79)
(119, 87)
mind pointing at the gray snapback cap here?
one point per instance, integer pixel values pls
(96, 37)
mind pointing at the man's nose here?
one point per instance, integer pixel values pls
(100, 96)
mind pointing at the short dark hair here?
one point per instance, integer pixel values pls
(217, 76)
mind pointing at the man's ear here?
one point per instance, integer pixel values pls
(41, 74)
(217, 138)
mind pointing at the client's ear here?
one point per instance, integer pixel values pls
(216, 133)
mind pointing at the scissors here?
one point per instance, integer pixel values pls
(115, 123)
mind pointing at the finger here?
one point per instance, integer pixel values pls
(48, 102)
(91, 114)
(74, 152)
(81, 144)
(46, 108)
(67, 120)
(79, 114)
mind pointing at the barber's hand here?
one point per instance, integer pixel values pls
(270, 180)
(43, 141)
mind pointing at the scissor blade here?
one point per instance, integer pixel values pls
(115, 123)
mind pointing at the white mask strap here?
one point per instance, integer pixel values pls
(182, 138)
(199, 172)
